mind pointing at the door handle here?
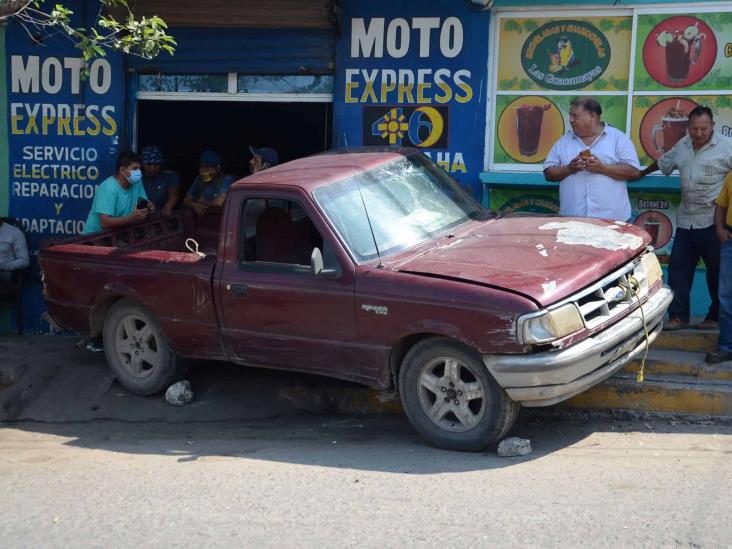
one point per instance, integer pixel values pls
(238, 289)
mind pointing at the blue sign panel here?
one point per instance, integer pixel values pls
(407, 75)
(64, 127)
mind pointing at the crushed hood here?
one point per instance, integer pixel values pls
(545, 258)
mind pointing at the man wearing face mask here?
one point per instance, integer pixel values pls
(116, 199)
(210, 187)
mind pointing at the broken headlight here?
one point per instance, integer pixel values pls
(551, 325)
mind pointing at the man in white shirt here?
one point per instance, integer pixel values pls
(592, 162)
(13, 251)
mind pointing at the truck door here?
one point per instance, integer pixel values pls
(275, 312)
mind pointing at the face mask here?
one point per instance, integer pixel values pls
(207, 175)
(135, 176)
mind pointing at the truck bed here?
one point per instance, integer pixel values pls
(148, 263)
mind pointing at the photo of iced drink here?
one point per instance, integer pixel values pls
(677, 61)
(528, 127)
(652, 226)
(672, 128)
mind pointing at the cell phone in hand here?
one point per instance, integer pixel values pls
(141, 203)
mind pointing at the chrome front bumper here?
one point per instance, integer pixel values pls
(549, 377)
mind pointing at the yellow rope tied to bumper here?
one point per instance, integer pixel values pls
(631, 290)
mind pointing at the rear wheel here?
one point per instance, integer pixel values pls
(451, 398)
(137, 349)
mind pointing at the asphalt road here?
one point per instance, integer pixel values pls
(255, 461)
(323, 481)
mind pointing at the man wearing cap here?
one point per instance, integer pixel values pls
(263, 158)
(210, 187)
(161, 186)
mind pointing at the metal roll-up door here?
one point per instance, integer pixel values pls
(304, 14)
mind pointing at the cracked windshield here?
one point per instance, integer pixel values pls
(406, 202)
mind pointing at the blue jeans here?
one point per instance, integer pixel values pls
(725, 297)
(689, 246)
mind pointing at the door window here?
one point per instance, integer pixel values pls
(279, 231)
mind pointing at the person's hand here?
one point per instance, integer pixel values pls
(167, 210)
(200, 208)
(723, 234)
(138, 215)
(577, 164)
(594, 164)
(150, 206)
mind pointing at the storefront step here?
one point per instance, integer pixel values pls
(687, 340)
(677, 394)
(681, 363)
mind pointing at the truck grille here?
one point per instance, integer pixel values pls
(608, 298)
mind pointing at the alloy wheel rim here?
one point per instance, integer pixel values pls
(137, 347)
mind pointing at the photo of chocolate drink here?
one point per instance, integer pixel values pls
(528, 127)
(664, 124)
(677, 60)
(651, 226)
(672, 128)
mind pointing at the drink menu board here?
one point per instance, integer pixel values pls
(679, 61)
(555, 56)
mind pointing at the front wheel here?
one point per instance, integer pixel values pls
(451, 398)
(137, 349)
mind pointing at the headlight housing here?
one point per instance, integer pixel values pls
(551, 325)
(652, 268)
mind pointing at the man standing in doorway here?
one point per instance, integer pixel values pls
(161, 186)
(703, 158)
(13, 251)
(117, 197)
(592, 162)
(263, 158)
(210, 187)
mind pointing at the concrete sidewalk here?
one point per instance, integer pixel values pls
(46, 378)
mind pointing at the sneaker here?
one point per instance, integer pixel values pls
(717, 357)
(673, 324)
(707, 324)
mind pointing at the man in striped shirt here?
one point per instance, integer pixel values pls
(703, 158)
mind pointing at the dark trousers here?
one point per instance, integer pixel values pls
(689, 246)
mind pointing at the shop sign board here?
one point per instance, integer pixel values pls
(64, 134)
(414, 75)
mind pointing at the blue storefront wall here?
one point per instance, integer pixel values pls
(414, 74)
(63, 132)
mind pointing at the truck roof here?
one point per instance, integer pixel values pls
(322, 169)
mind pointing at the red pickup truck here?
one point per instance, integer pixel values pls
(375, 267)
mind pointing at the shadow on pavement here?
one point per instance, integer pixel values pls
(50, 387)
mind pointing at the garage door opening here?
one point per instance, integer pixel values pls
(183, 129)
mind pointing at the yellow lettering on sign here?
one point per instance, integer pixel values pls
(369, 93)
(405, 91)
(386, 89)
(420, 93)
(350, 86)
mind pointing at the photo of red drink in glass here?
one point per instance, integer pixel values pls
(657, 225)
(528, 127)
(679, 51)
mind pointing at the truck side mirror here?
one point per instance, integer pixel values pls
(316, 266)
(316, 262)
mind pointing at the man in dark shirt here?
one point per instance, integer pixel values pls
(161, 186)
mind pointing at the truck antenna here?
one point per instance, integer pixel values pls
(366, 210)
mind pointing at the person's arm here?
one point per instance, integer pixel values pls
(649, 169)
(554, 170)
(720, 224)
(112, 222)
(20, 251)
(621, 172)
(173, 194)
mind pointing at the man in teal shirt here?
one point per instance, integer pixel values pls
(116, 198)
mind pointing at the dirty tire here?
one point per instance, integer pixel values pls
(450, 397)
(137, 349)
